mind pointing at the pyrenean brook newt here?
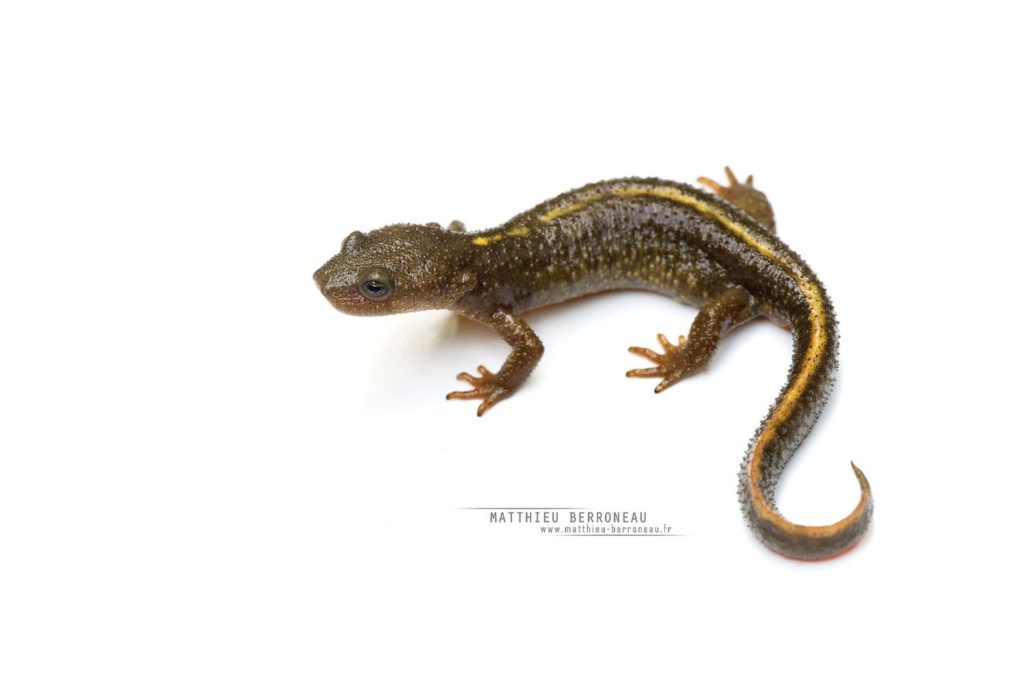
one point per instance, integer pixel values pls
(715, 251)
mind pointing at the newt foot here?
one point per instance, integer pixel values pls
(668, 365)
(743, 195)
(734, 187)
(487, 388)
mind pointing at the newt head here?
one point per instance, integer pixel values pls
(397, 269)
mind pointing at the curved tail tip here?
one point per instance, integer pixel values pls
(814, 543)
(865, 487)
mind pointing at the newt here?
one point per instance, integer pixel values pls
(714, 250)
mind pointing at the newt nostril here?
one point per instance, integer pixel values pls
(320, 277)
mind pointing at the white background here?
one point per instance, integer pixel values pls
(207, 473)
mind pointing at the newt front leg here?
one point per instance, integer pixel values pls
(491, 388)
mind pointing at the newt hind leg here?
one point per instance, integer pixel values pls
(745, 197)
(692, 354)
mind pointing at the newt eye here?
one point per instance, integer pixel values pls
(375, 284)
(376, 289)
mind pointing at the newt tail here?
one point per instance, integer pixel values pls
(788, 422)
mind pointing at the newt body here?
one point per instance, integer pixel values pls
(715, 251)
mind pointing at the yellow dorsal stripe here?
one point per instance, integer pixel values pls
(812, 292)
(484, 240)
